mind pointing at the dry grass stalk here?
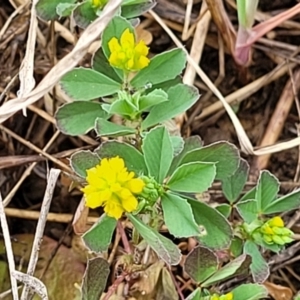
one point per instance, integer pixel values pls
(277, 120)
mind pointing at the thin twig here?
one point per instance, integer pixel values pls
(54, 173)
(52, 217)
(31, 167)
(9, 252)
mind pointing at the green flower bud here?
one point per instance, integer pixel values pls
(152, 190)
(278, 240)
(268, 239)
(271, 232)
(287, 239)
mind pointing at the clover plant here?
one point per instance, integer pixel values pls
(153, 178)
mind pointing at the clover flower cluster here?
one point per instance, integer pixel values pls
(274, 232)
(112, 186)
(126, 54)
(228, 296)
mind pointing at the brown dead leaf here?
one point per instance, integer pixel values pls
(154, 283)
(166, 289)
(279, 292)
(146, 287)
(64, 272)
(143, 34)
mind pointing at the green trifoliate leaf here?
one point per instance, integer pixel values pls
(177, 211)
(266, 190)
(236, 267)
(162, 67)
(163, 247)
(285, 203)
(95, 278)
(248, 210)
(107, 128)
(158, 152)
(79, 117)
(88, 84)
(181, 97)
(98, 237)
(194, 177)
(233, 185)
(259, 267)
(250, 291)
(153, 98)
(217, 233)
(223, 154)
(82, 161)
(200, 264)
(47, 9)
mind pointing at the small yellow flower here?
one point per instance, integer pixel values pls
(276, 222)
(99, 3)
(228, 296)
(112, 186)
(274, 232)
(126, 54)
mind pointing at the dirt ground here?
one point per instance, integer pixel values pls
(21, 138)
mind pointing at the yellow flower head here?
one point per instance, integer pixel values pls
(126, 54)
(112, 186)
(99, 3)
(274, 232)
(276, 222)
(228, 296)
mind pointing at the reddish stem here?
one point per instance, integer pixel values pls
(114, 286)
(124, 237)
(175, 283)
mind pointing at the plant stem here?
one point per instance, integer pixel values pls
(175, 283)
(114, 286)
(124, 237)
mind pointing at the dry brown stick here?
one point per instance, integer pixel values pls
(31, 167)
(198, 44)
(52, 217)
(222, 21)
(37, 149)
(115, 246)
(9, 251)
(187, 19)
(196, 49)
(277, 120)
(217, 82)
(248, 90)
(53, 177)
